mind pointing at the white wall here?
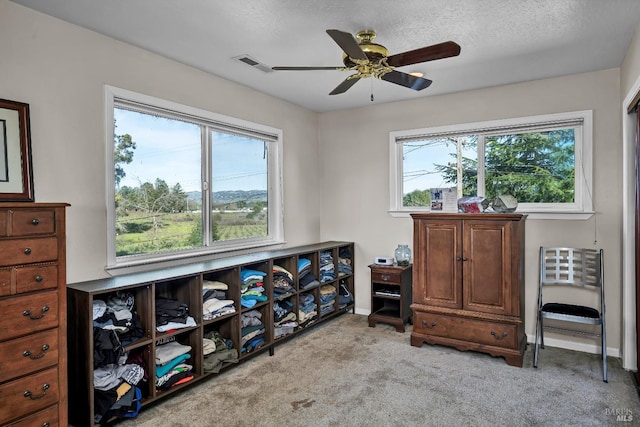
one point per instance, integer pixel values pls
(354, 169)
(60, 70)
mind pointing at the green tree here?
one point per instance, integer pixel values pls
(469, 174)
(417, 198)
(533, 167)
(255, 209)
(178, 198)
(123, 148)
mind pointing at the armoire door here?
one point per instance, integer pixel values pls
(437, 263)
(487, 264)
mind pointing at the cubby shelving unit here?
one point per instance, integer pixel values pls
(185, 284)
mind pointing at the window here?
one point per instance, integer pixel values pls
(184, 181)
(543, 161)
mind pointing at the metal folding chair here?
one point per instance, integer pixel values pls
(579, 269)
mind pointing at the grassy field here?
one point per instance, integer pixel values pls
(141, 233)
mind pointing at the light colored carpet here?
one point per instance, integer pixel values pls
(344, 373)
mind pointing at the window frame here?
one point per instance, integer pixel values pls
(582, 208)
(115, 98)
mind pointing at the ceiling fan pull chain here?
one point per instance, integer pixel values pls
(371, 90)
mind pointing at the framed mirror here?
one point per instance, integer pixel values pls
(16, 175)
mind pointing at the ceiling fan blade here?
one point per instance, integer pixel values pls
(429, 53)
(344, 86)
(348, 44)
(306, 68)
(406, 80)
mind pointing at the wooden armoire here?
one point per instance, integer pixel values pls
(468, 282)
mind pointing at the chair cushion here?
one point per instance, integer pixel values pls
(572, 310)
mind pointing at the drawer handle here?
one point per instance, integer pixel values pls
(28, 354)
(499, 338)
(386, 277)
(35, 221)
(38, 278)
(27, 251)
(31, 396)
(27, 313)
(433, 324)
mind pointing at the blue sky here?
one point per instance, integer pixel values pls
(420, 158)
(170, 149)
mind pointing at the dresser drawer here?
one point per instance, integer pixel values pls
(29, 279)
(31, 222)
(5, 282)
(3, 223)
(29, 394)
(28, 354)
(477, 331)
(27, 314)
(47, 417)
(386, 277)
(26, 251)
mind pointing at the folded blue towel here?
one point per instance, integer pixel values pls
(245, 273)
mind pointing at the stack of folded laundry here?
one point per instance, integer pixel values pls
(306, 279)
(216, 302)
(327, 299)
(172, 314)
(344, 262)
(252, 331)
(252, 287)
(307, 309)
(217, 350)
(327, 271)
(282, 283)
(171, 366)
(284, 318)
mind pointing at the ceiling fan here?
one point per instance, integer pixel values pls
(370, 59)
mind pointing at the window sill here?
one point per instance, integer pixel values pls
(555, 215)
(139, 265)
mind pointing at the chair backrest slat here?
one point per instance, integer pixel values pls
(570, 266)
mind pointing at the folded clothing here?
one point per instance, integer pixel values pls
(169, 351)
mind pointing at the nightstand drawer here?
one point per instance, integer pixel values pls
(28, 354)
(31, 222)
(27, 314)
(27, 395)
(386, 277)
(27, 251)
(471, 330)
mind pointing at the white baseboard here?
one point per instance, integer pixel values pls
(363, 312)
(576, 346)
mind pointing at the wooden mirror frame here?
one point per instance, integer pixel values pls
(16, 174)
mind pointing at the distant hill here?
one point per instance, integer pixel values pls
(226, 197)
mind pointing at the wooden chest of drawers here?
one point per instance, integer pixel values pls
(33, 332)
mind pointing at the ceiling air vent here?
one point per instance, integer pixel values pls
(252, 62)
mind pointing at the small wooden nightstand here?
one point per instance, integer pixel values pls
(390, 295)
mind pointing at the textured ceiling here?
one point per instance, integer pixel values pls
(503, 41)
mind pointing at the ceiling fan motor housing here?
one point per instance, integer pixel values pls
(375, 52)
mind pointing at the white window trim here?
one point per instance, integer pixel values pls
(581, 209)
(275, 203)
